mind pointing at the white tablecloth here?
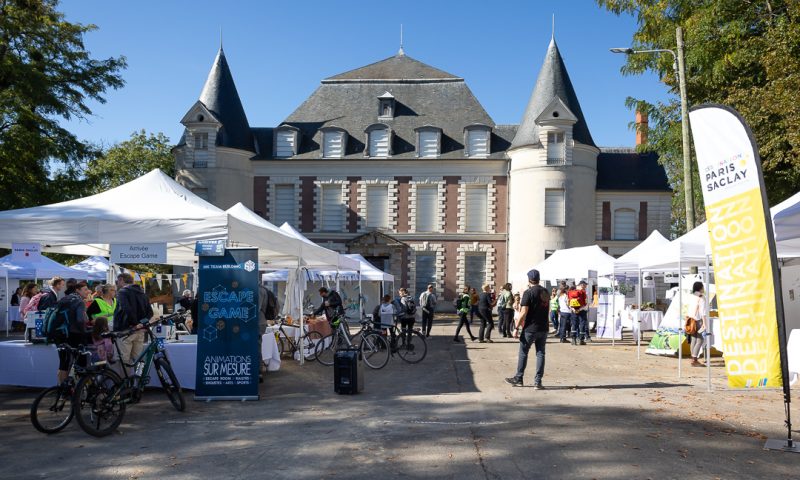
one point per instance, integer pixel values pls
(650, 319)
(35, 365)
(793, 352)
(269, 350)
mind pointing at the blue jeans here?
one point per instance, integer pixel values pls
(526, 340)
(579, 324)
(554, 319)
(564, 324)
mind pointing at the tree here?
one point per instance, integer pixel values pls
(130, 159)
(740, 53)
(46, 75)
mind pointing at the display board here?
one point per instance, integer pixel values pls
(227, 338)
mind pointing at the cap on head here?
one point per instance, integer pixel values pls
(533, 275)
(582, 282)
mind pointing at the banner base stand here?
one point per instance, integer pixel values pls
(782, 445)
(231, 398)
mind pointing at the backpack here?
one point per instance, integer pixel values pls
(271, 305)
(55, 327)
(410, 307)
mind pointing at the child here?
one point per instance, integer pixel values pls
(104, 348)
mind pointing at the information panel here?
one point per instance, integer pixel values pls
(227, 338)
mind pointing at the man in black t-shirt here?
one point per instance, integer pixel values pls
(534, 325)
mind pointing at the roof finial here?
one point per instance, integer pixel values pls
(401, 51)
(220, 37)
(553, 34)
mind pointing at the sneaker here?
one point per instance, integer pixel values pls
(489, 340)
(474, 338)
(456, 339)
(574, 342)
(564, 340)
(583, 342)
(538, 386)
(514, 381)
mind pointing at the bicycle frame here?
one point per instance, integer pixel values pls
(147, 356)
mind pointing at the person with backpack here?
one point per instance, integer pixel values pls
(463, 306)
(428, 301)
(383, 316)
(533, 322)
(53, 294)
(579, 307)
(407, 311)
(133, 307)
(505, 310)
(68, 325)
(485, 305)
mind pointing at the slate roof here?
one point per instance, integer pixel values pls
(627, 169)
(219, 95)
(553, 81)
(424, 96)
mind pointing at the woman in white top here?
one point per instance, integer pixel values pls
(564, 314)
(696, 308)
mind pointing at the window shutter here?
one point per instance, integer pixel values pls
(378, 207)
(332, 217)
(285, 206)
(428, 144)
(477, 208)
(427, 207)
(285, 143)
(554, 207)
(426, 272)
(333, 146)
(624, 224)
(379, 143)
(555, 147)
(478, 143)
(475, 270)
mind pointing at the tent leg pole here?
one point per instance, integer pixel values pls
(613, 311)
(680, 316)
(709, 332)
(8, 311)
(639, 319)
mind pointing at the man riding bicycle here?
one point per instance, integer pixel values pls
(331, 305)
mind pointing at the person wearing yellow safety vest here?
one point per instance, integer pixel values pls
(105, 304)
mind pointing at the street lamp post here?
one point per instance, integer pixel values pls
(678, 65)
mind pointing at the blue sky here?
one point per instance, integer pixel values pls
(280, 50)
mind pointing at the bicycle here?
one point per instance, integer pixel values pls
(374, 348)
(100, 399)
(52, 410)
(287, 344)
(411, 345)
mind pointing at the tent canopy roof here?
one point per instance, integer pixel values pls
(575, 263)
(43, 268)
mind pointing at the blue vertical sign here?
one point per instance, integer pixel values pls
(227, 338)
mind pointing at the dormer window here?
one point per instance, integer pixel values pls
(386, 106)
(477, 140)
(286, 140)
(379, 140)
(428, 142)
(556, 153)
(201, 141)
(334, 142)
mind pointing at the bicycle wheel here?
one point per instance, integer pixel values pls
(282, 343)
(375, 350)
(99, 404)
(52, 409)
(309, 341)
(327, 347)
(170, 383)
(412, 348)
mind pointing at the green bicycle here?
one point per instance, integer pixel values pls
(100, 398)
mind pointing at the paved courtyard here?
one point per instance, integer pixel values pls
(604, 415)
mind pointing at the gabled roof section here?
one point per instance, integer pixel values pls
(626, 169)
(197, 110)
(397, 69)
(557, 112)
(219, 95)
(553, 81)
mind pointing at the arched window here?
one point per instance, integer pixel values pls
(624, 224)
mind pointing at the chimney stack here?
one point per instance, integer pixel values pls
(641, 127)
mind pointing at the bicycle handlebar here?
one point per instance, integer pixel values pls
(142, 325)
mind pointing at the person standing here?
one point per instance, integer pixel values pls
(13, 312)
(105, 305)
(534, 326)
(331, 305)
(473, 304)
(428, 301)
(53, 294)
(696, 308)
(463, 307)
(28, 293)
(554, 310)
(579, 307)
(505, 310)
(73, 305)
(485, 306)
(133, 306)
(564, 314)
(406, 311)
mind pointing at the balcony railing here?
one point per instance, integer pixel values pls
(556, 161)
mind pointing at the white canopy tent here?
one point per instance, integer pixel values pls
(96, 267)
(573, 263)
(632, 261)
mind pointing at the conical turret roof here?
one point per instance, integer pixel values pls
(553, 81)
(219, 95)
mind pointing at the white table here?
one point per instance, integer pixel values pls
(35, 365)
(269, 350)
(793, 352)
(650, 319)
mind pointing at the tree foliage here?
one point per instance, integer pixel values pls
(46, 76)
(740, 53)
(130, 159)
